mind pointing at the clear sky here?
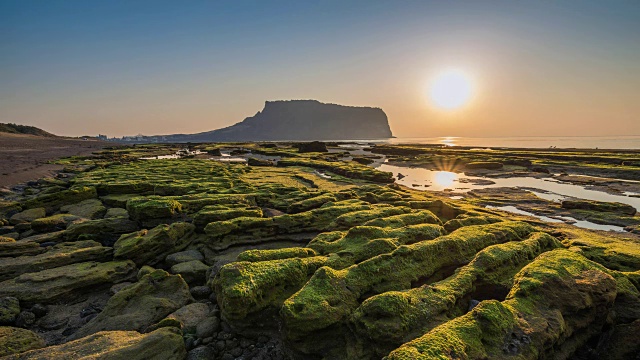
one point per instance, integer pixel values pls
(160, 67)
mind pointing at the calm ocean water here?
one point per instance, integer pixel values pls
(565, 142)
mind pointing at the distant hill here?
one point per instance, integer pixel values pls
(300, 120)
(24, 129)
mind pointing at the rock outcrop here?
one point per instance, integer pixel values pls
(138, 306)
(165, 343)
(302, 120)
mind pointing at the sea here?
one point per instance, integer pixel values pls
(540, 142)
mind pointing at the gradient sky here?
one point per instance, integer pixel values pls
(159, 67)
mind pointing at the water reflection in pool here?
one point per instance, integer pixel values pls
(550, 189)
(579, 223)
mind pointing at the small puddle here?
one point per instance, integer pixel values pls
(566, 219)
(178, 155)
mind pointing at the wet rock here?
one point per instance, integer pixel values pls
(363, 160)
(252, 161)
(201, 353)
(140, 305)
(27, 216)
(144, 270)
(89, 209)
(602, 206)
(6, 230)
(165, 343)
(52, 202)
(473, 303)
(485, 165)
(622, 344)
(540, 169)
(9, 310)
(116, 212)
(15, 340)
(200, 292)
(314, 146)
(56, 256)
(65, 282)
(190, 315)
(102, 230)
(183, 256)
(51, 237)
(39, 310)
(25, 319)
(142, 209)
(117, 287)
(207, 327)
(22, 228)
(193, 272)
(152, 246)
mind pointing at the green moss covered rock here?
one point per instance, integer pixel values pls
(248, 287)
(28, 215)
(140, 305)
(88, 209)
(193, 272)
(53, 223)
(147, 208)
(331, 295)
(9, 309)
(560, 288)
(164, 343)
(152, 246)
(52, 202)
(65, 282)
(15, 341)
(55, 256)
(103, 230)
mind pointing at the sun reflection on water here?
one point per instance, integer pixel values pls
(448, 140)
(444, 179)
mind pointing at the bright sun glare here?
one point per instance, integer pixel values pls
(451, 89)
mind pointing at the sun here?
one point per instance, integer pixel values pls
(450, 89)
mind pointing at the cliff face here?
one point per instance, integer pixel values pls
(302, 120)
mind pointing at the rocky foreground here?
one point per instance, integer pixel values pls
(306, 257)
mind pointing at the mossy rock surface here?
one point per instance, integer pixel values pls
(140, 305)
(559, 287)
(65, 282)
(193, 272)
(54, 201)
(55, 256)
(89, 209)
(103, 230)
(152, 246)
(53, 223)
(247, 287)
(15, 341)
(9, 310)
(28, 215)
(324, 251)
(149, 208)
(164, 343)
(20, 248)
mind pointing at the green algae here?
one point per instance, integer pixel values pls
(397, 316)
(331, 295)
(247, 287)
(544, 290)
